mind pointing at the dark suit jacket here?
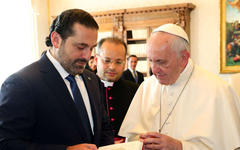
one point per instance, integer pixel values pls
(127, 75)
(117, 101)
(37, 111)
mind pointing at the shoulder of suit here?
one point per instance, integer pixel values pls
(29, 71)
(128, 84)
(126, 71)
(89, 73)
(139, 72)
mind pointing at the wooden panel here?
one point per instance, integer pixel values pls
(105, 23)
(137, 18)
(146, 18)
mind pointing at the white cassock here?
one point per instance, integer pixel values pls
(235, 83)
(206, 115)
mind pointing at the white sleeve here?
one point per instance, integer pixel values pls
(133, 117)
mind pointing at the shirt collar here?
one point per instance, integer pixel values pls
(107, 83)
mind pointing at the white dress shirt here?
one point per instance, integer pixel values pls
(132, 72)
(80, 84)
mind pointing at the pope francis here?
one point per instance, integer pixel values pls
(182, 106)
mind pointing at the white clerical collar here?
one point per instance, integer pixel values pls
(57, 65)
(183, 75)
(107, 83)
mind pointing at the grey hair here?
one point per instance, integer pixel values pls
(179, 44)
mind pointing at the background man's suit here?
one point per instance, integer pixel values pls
(127, 75)
(48, 118)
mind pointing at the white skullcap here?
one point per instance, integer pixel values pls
(172, 29)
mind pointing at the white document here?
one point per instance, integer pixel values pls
(135, 145)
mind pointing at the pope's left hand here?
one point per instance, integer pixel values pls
(157, 141)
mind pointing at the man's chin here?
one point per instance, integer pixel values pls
(161, 81)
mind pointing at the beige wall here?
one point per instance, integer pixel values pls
(40, 7)
(205, 24)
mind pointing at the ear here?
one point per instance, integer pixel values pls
(95, 58)
(185, 56)
(56, 39)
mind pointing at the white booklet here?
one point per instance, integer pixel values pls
(135, 145)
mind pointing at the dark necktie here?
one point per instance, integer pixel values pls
(135, 76)
(80, 105)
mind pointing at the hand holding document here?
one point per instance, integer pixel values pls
(135, 145)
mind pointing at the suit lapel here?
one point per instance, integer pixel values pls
(89, 84)
(131, 76)
(55, 82)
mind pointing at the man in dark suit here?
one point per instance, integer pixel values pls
(131, 73)
(39, 105)
(118, 93)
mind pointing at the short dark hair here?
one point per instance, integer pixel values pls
(115, 40)
(132, 56)
(63, 23)
(92, 57)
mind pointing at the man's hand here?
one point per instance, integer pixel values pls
(82, 147)
(120, 140)
(157, 141)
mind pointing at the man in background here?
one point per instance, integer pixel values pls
(91, 65)
(54, 104)
(131, 73)
(118, 93)
(181, 107)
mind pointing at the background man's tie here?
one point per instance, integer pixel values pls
(135, 76)
(80, 105)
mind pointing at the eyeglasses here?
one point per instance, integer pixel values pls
(108, 61)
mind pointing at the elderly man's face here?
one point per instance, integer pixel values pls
(166, 64)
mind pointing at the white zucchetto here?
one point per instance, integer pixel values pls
(172, 29)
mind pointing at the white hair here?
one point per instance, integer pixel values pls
(178, 45)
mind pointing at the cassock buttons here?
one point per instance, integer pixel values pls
(111, 108)
(110, 97)
(109, 88)
(112, 119)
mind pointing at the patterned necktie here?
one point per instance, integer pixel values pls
(135, 76)
(80, 105)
